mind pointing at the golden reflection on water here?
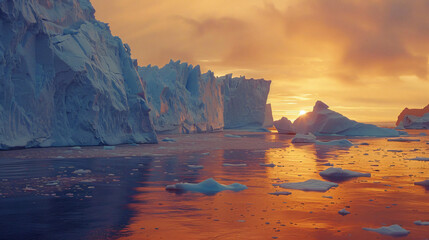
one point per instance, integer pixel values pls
(388, 197)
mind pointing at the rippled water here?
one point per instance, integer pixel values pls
(124, 196)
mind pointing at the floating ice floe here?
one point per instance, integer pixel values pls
(167, 139)
(424, 183)
(234, 165)
(418, 159)
(267, 164)
(76, 148)
(340, 142)
(423, 134)
(309, 185)
(403, 140)
(195, 166)
(304, 138)
(82, 171)
(340, 174)
(209, 186)
(420, 223)
(393, 230)
(280, 193)
(284, 125)
(109, 147)
(323, 121)
(343, 212)
(232, 136)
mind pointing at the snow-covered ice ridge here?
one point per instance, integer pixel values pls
(184, 100)
(65, 80)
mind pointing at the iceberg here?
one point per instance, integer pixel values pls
(340, 142)
(421, 223)
(309, 185)
(343, 212)
(341, 174)
(393, 230)
(268, 121)
(65, 80)
(284, 125)
(411, 112)
(323, 121)
(424, 183)
(244, 102)
(209, 186)
(182, 99)
(414, 122)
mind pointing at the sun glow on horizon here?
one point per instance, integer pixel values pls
(302, 112)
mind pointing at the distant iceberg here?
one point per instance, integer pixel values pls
(209, 187)
(323, 121)
(415, 113)
(414, 122)
(284, 125)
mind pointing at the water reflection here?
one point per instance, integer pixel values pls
(125, 198)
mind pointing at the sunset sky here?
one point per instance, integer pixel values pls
(366, 59)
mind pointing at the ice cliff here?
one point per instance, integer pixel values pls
(414, 118)
(244, 102)
(65, 80)
(323, 121)
(183, 100)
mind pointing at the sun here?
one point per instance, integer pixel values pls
(302, 112)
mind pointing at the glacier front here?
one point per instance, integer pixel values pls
(65, 80)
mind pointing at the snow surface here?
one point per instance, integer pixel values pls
(309, 185)
(304, 138)
(339, 173)
(323, 121)
(393, 230)
(284, 125)
(65, 80)
(209, 186)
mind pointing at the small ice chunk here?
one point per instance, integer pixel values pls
(304, 138)
(424, 183)
(267, 164)
(422, 134)
(420, 223)
(365, 144)
(234, 165)
(232, 136)
(393, 230)
(341, 142)
(339, 173)
(167, 139)
(330, 197)
(418, 159)
(195, 166)
(280, 193)
(309, 185)
(82, 171)
(209, 186)
(397, 151)
(109, 147)
(403, 140)
(328, 164)
(343, 212)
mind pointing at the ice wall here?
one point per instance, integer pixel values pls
(414, 122)
(182, 99)
(412, 118)
(268, 121)
(244, 102)
(65, 80)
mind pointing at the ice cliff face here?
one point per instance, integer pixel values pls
(65, 80)
(323, 121)
(244, 102)
(182, 99)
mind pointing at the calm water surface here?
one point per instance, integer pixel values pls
(50, 194)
